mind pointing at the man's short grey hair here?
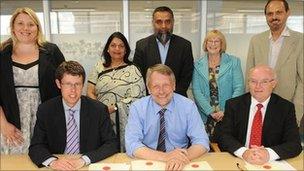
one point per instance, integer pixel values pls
(162, 69)
(265, 67)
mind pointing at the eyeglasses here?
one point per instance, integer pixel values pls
(71, 85)
(216, 42)
(261, 83)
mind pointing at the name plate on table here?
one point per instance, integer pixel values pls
(157, 165)
(109, 166)
(274, 165)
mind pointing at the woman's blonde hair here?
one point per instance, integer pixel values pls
(25, 10)
(215, 33)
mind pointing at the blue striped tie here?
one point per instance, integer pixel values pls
(72, 145)
(162, 131)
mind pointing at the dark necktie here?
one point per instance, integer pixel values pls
(161, 146)
(72, 145)
(256, 129)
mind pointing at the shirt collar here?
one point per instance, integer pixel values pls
(76, 107)
(285, 33)
(254, 102)
(169, 107)
(158, 42)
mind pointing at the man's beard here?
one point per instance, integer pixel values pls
(164, 37)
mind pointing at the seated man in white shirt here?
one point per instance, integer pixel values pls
(259, 126)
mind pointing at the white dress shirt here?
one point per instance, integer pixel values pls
(253, 109)
(275, 47)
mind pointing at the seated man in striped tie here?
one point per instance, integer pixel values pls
(259, 126)
(71, 124)
(161, 126)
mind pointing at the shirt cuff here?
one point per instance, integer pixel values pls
(134, 148)
(239, 152)
(272, 154)
(48, 161)
(86, 159)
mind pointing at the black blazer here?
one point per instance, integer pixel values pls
(179, 59)
(279, 132)
(97, 138)
(50, 57)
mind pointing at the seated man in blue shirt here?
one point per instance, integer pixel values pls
(71, 124)
(161, 125)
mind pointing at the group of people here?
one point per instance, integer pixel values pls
(141, 107)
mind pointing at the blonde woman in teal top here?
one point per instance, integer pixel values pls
(217, 77)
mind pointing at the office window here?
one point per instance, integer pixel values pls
(240, 21)
(8, 7)
(186, 24)
(81, 28)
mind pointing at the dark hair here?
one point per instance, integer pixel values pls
(163, 9)
(70, 67)
(106, 54)
(284, 2)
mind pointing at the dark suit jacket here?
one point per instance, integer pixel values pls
(50, 57)
(97, 138)
(279, 132)
(179, 59)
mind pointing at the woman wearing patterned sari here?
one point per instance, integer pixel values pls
(116, 82)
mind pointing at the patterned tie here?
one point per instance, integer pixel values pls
(161, 146)
(256, 129)
(72, 145)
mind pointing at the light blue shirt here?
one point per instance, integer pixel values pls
(182, 121)
(163, 50)
(66, 108)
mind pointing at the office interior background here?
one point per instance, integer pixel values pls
(81, 27)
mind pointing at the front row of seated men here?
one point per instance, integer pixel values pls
(258, 126)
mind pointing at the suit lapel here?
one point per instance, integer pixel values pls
(42, 62)
(262, 58)
(84, 124)
(225, 65)
(60, 123)
(202, 68)
(9, 67)
(10, 79)
(171, 51)
(154, 50)
(270, 112)
(244, 115)
(285, 51)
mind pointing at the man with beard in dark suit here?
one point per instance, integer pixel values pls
(167, 48)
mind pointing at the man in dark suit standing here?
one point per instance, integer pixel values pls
(166, 48)
(71, 124)
(260, 126)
